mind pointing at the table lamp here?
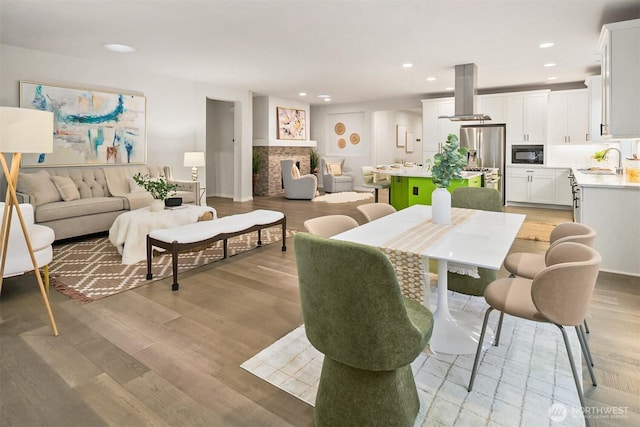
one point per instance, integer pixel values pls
(194, 159)
(22, 131)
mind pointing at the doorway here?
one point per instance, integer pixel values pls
(220, 156)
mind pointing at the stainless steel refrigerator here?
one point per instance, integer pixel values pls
(487, 146)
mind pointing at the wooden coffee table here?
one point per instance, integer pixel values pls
(129, 231)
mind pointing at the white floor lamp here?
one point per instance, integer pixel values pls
(22, 131)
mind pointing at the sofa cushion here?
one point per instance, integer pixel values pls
(335, 169)
(134, 187)
(40, 186)
(66, 187)
(90, 182)
(76, 208)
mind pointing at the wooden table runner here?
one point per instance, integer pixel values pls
(406, 253)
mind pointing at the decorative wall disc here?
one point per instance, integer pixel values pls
(339, 128)
(342, 143)
(354, 138)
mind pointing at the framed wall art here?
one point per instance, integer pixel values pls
(292, 123)
(411, 142)
(91, 127)
(401, 137)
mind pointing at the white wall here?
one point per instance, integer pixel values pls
(176, 109)
(265, 117)
(321, 126)
(386, 149)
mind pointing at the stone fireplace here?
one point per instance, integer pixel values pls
(270, 177)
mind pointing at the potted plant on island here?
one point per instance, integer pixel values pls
(158, 187)
(447, 165)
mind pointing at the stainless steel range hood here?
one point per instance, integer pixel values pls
(465, 95)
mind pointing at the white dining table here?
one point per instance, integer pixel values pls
(482, 239)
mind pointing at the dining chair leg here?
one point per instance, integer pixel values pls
(496, 341)
(586, 326)
(479, 351)
(586, 344)
(576, 378)
(375, 197)
(587, 356)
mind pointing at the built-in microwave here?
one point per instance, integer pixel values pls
(527, 154)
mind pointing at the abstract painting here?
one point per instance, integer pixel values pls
(90, 127)
(292, 123)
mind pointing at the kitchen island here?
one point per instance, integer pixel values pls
(413, 185)
(611, 205)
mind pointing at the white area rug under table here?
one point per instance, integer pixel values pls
(525, 381)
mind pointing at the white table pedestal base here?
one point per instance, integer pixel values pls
(454, 332)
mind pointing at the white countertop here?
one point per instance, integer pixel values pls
(610, 181)
(419, 172)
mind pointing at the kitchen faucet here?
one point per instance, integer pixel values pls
(604, 157)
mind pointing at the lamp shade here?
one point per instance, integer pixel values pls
(194, 158)
(23, 130)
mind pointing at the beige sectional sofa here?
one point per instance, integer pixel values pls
(79, 201)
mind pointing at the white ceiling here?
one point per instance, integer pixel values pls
(350, 49)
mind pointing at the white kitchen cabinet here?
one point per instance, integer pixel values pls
(562, 186)
(568, 117)
(594, 85)
(493, 105)
(435, 130)
(526, 115)
(531, 185)
(618, 46)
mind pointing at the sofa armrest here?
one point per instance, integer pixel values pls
(187, 185)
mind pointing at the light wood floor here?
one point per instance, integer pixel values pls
(155, 357)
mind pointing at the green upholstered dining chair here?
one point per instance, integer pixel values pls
(354, 313)
(486, 199)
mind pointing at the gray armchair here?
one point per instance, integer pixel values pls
(296, 186)
(355, 314)
(335, 182)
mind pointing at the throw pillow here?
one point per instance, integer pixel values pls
(295, 171)
(134, 187)
(66, 187)
(335, 169)
(40, 186)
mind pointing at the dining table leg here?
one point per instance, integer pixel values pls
(454, 332)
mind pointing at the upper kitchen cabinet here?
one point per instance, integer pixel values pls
(435, 130)
(568, 116)
(619, 46)
(527, 117)
(594, 85)
(494, 106)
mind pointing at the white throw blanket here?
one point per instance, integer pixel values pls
(129, 231)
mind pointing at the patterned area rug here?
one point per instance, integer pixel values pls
(538, 231)
(517, 383)
(92, 269)
(344, 197)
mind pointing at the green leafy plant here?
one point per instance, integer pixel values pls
(314, 160)
(158, 187)
(448, 164)
(256, 161)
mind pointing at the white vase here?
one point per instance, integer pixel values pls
(441, 206)
(156, 205)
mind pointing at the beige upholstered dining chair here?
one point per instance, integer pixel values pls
(329, 225)
(369, 181)
(559, 295)
(373, 211)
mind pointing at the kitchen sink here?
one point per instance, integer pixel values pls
(597, 171)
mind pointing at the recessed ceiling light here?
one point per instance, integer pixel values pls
(324, 96)
(431, 79)
(552, 78)
(303, 94)
(550, 64)
(327, 99)
(407, 65)
(120, 48)
(448, 88)
(546, 45)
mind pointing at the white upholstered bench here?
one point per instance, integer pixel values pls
(204, 233)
